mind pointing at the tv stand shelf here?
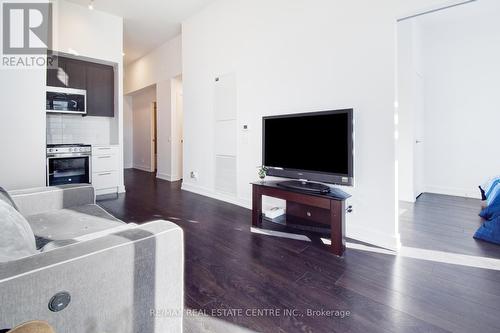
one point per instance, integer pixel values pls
(327, 209)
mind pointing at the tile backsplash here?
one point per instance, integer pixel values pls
(63, 128)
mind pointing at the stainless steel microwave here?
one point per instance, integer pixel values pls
(66, 100)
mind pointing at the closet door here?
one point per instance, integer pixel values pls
(225, 110)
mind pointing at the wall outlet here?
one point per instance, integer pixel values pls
(194, 175)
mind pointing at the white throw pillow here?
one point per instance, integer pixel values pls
(16, 237)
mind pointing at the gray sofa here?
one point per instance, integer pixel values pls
(121, 278)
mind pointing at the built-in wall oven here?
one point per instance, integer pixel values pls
(69, 164)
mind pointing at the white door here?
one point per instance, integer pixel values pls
(419, 181)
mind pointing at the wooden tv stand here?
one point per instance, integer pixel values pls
(326, 209)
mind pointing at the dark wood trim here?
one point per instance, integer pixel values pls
(337, 224)
(256, 207)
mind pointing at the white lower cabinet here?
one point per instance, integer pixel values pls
(105, 180)
(105, 169)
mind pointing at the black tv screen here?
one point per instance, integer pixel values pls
(313, 146)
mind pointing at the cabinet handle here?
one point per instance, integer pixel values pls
(108, 156)
(104, 174)
(104, 148)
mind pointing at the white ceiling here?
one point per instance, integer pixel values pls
(147, 23)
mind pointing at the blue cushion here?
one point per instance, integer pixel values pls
(489, 231)
(493, 196)
(490, 212)
(493, 208)
(488, 187)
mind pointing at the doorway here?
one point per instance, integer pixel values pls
(153, 129)
(448, 72)
(140, 130)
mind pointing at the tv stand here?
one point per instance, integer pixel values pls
(306, 208)
(306, 186)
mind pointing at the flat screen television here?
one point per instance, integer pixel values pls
(315, 146)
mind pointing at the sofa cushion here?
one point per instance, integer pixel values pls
(5, 196)
(62, 243)
(489, 231)
(16, 237)
(488, 187)
(490, 212)
(493, 196)
(72, 222)
(45, 199)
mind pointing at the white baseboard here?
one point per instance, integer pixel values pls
(457, 192)
(142, 167)
(164, 176)
(176, 178)
(105, 191)
(167, 177)
(218, 196)
(373, 237)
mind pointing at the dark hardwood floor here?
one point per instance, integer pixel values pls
(228, 267)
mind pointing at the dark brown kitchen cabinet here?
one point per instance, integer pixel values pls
(100, 90)
(56, 76)
(69, 73)
(76, 72)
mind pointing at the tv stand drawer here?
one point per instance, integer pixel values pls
(304, 213)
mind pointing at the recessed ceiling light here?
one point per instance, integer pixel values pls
(91, 4)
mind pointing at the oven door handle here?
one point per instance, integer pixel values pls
(54, 156)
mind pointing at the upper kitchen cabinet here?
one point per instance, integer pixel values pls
(69, 73)
(97, 79)
(100, 90)
(56, 77)
(76, 73)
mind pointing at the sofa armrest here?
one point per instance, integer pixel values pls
(130, 281)
(44, 199)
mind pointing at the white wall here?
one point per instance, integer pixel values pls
(338, 56)
(22, 128)
(164, 128)
(177, 129)
(22, 118)
(410, 111)
(461, 61)
(142, 120)
(163, 63)
(128, 133)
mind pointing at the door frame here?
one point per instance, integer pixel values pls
(154, 137)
